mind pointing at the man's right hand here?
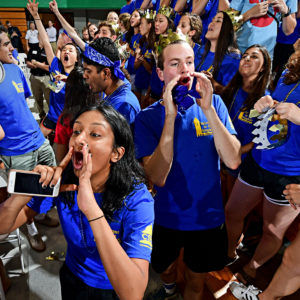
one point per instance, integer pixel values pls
(33, 8)
(170, 106)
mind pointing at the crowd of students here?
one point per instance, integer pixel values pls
(161, 99)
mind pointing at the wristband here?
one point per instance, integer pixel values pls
(287, 14)
(96, 219)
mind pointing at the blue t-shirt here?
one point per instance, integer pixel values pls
(125, 102)
(228, 68)
(210, 11)
(191, 198)
(142, 76)
(262, 30)
(131, 225)
(197, 54)
(242, 123)
(156, 85)
(128, 8)
(285, 159)
(57, 100)
(133, 45)
(289, 39)
(22, 132)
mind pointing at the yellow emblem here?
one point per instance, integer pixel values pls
(18, 86)
(197, 127)
(147, 237)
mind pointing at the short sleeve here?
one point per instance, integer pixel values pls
(292, 4)
(138, 224)
(27, 92)
(237, 4)
(41, 204)
(55, 65)
(27, 35)
(145, 138)
(228, 69)
(223, 114)
(62, 132)
(127, 111)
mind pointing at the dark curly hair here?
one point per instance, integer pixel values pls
(106, 47)
(293, 68)
(126, 174)
(195, 24)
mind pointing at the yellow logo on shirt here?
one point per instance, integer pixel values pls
(202, 128)
(147, 237)
(18, 86)
(244, 117)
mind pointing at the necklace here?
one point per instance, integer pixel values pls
(285, 99)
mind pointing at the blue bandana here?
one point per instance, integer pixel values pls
(183, 97)
(101, 59)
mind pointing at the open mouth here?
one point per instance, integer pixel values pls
(77, 160)
(66, 58)
(184, 81)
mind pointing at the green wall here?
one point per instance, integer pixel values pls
(86, 4)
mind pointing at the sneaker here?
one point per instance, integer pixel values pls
(36, 242)
(231, 260)
(242, 292)
(161, 294)
(47, 221)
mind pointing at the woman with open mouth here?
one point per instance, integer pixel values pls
(107, 219)
(219, 58)
(61, 64)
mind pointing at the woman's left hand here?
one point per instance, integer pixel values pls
(85, 197)
(280, 5)
(205, 89)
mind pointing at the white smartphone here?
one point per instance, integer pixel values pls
(27, 183)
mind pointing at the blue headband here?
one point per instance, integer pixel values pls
(101, 59)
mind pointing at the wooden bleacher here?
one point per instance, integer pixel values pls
(17, 17)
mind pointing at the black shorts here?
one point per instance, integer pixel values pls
(272, 184)
(48, 123)
(204, 250)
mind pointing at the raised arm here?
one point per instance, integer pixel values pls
(199, 6)
(227, 145)
(146, 4)
(32, 7)
(288, 22)
(69, 29)
(158, 165)
(180, 5)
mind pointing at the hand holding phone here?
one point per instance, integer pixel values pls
(46, 180)
(28, 183)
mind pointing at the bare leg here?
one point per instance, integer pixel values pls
(45, 130)
(194, 285)
(170, 274)
(3, 276)
(277, 219)
(241, 201)
(286, 280)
